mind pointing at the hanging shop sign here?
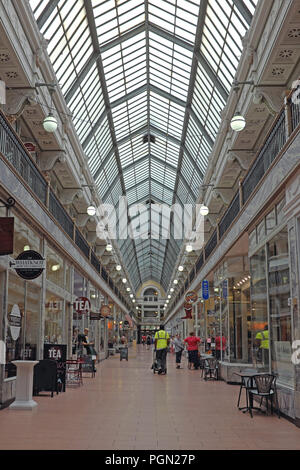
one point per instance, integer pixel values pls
(30, 146)
(58, 353)
(95, 316)
(205, 289)
(6, 235)
(191, 296)
(29, 264)
(81, 306)
(105, 310)
(15, 322)
(225, 289)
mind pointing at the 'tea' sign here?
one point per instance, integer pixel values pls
(82, 305)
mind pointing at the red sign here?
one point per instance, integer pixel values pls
(191, 296)
(82, 306)
(30, 146)
(6, 235)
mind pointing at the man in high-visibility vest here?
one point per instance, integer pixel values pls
(161, 343)
(262, 340)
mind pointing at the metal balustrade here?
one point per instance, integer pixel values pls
(230, 214)
(295, 108)
(211, 244)
(274, 143)
(12, 149)
(60, 214)
(82, 243)
(95, 262)
(199, 262)
(266, 156)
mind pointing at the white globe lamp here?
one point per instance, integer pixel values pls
(238, 122)
(50, 123)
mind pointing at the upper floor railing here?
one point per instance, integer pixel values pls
(13, 150)
(285, 124)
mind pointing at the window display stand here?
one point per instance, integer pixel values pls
(24, 386)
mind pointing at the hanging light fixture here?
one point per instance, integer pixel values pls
(128, 289)
(204, 210)
(91, 210)
(108, 247)
(124, 280)
(50, 123)
(189, 248)
(238, 122)
(175, 281)
(180, 268)
(118, 267)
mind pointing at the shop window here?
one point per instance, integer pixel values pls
(53, 319)
(55, 267)
(261, 231)
(24, 238)
(252, 240)
(280, 211)
(280, 312)
(259, 310)
(270, 221)
(22, 331)
(68, 278)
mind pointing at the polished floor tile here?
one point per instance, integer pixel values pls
(127, 407)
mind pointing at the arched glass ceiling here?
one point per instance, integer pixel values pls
(130, 68)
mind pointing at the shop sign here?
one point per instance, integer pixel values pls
(58, 353)
(225, 289)
(54, 305)
(82, 306)
(30, 146)
(6, 235)
(191, 296)
(28, 265)
(15, 322)
(205, 289)
(105, 310)
(95, 316)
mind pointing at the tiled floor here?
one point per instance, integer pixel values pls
(128, 407)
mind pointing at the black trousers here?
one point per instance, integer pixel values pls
(193, 357)
(178, 356)
(161, 357)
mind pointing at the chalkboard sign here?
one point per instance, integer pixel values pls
(87, 364)
(58, 352)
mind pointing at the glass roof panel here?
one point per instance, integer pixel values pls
(130, 69)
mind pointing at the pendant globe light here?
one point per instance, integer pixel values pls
(204, 210)
(50, 123)
(238, 122)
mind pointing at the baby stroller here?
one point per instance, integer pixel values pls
(155, 365)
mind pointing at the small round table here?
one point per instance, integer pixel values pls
(24, 386)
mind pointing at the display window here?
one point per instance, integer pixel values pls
(280, 310)
(259, 310)
(55, 267)
(53, 319)
(22, 323)
(24, 238)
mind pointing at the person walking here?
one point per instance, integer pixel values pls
(192, 347)
(148, 341)
(179, 347)
(161, 343)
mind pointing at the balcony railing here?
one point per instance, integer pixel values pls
(288, 119)
(12, 148)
